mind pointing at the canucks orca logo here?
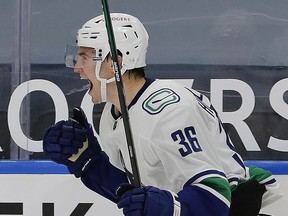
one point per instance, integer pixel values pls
(158, 100)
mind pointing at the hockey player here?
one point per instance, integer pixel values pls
(188, 164)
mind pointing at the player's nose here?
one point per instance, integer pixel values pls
(77, 67)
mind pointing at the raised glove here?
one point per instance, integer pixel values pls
(149, 201)
(72, 143)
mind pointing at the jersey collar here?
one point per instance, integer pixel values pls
(148, 82)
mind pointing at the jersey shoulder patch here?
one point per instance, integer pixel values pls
(160, 99)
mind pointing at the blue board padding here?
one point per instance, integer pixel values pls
(50, 167)
(276, 167)
(31, 167)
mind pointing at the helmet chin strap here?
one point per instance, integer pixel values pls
(103, 82)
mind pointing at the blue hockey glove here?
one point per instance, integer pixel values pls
(72, 143)
(149, 201)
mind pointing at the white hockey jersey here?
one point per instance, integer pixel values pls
(177, 135)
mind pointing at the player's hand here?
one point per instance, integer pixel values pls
(148, 201)
(248, 194)
(71, 144)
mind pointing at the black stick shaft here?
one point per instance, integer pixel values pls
(124, 110)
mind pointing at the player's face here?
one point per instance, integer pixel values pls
(85, 66)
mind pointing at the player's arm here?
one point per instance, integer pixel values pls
(103, 178)
(193, 200)
(74, 145)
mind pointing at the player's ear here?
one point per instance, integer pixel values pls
(109, 59)
(120, 61)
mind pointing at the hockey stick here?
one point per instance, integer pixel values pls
(124, 111)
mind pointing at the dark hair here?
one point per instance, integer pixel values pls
(136, 72)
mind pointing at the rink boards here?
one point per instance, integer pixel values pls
(42, 188)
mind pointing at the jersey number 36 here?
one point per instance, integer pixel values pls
(186, 138)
